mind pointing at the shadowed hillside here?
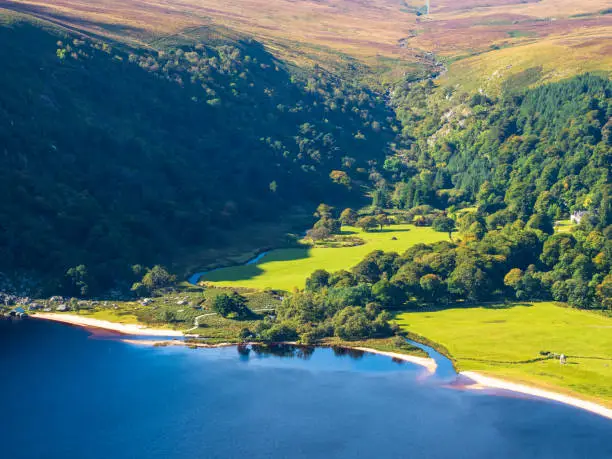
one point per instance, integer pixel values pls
(113, 157)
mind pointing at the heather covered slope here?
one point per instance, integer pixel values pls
(483, 42)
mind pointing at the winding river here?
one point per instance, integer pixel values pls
(194, 278)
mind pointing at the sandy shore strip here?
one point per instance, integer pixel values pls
(495, 383)
(426, 362)
(126, 329)
(162, 343)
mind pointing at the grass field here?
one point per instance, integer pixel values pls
(284, 269)
(564, 226)
(504, 340)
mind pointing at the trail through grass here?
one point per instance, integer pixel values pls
(284, 269)
(505, 340)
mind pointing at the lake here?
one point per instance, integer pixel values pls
(66, 393)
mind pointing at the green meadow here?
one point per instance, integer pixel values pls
(507, 340)
(286, 269)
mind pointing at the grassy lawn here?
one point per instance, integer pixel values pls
(121, 316)
(284, 269)
(499, 340)
(185, 305)
(564, 226)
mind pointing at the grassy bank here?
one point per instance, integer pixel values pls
(507, 341)
(284, 269)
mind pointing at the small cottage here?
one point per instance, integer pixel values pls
(576, 217)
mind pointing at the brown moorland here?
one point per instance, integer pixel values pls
(475, 34)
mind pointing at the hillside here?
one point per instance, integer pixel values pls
(144, 132)
(546, 149)
(481, 41)
(121, 156)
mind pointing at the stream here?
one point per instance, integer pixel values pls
(194, 278)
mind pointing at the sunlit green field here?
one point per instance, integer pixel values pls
(564, 226)
(284, 269)
(498, 340)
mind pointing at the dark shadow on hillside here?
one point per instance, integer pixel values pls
(392, 230)
(248, 272)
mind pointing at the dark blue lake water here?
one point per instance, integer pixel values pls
(65, 394)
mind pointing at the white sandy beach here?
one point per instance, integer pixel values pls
(126, 329)
(166, 342)
(428, 363)
(483, 381)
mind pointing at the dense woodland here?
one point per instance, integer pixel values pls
(113, 157)
(521, 162)
(545, 150)
(519, 261)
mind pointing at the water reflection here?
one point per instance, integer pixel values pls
(275, 350)
(297, 351)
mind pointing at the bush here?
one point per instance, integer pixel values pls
(280, 332)
(352, 323)
(233, 306)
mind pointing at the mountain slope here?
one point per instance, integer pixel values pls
(112, 157)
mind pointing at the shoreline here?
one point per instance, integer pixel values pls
(487, 382)
(429, 364)
(480, 381)
(89, 322)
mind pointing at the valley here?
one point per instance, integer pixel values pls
(239, 186)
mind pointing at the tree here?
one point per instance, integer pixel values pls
(78, 279)
(432, 286)
(348, 217)
(513, 278)
(605, 210)
(383, 220)
(331, 224)
(232, 306)
(541, 222)
(158, 277)
(340, 177)
(318, 234)
(367, 223)
(169, 316)
(352, 323)
(323, 211)
(317, 280)
(444, 224)
(388, 294)
(280, 332)
(604, 292)
(468, 281)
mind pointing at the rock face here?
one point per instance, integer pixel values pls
(8, 299)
